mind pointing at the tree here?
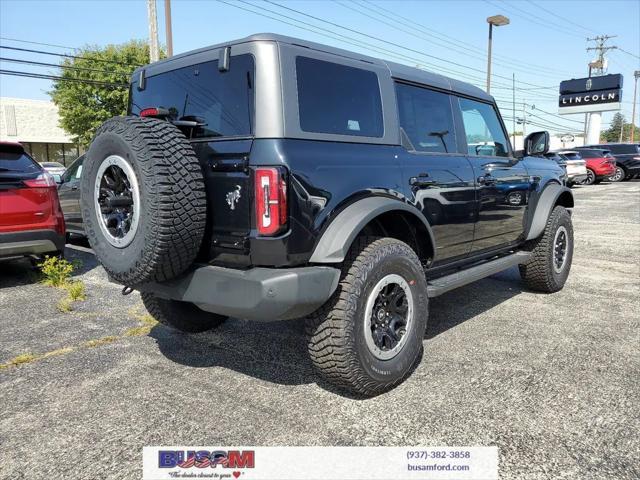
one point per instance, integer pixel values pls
(94, 87)
(612, 134)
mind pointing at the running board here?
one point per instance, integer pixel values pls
(463, 277)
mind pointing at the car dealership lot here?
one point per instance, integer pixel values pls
(551, 379)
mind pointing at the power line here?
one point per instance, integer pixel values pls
(29, 62)
(471, 47)
(344, 38)
(448, 45)
(540, 21)
(68, 56)
(385, 41)
(628, 53)
(38, 43)
(564, 19)
(42, 76)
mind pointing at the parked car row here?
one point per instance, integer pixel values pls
(591, 164)
(29, 199)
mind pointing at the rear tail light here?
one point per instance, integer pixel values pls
(270, 200)
(44, 180)
(154, 112)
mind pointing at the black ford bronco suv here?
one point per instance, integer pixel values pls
(272, 178)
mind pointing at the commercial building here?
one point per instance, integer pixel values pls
(35, 124)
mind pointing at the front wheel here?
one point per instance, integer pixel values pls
(551, 254)
(368, 336)
(591, 177)
(618, 175)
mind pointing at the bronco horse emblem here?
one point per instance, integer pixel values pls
(233, 197)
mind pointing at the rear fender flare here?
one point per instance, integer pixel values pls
(343, 230)
(549, 198)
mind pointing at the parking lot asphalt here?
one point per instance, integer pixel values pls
(552, 380)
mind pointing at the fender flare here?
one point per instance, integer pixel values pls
(547, 201)
(342, 231)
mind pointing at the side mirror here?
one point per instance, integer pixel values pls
(536, 143)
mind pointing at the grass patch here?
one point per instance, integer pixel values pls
(100, 341)
(56, 272)
(65, 305)
(20, 359)
(76, 291)
(59, 351)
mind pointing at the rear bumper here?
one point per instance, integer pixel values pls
(577, 177)
(262, 294)
(30, 242)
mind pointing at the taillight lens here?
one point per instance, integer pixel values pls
(44, 180)
(270, 200)
(149, 112)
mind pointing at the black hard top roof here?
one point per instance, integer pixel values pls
(396, 70)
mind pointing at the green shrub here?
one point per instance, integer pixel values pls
(56, 271)
(76, 291)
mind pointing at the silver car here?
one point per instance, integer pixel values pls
(576, 166)
(54, 168)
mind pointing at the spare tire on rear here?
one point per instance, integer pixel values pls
(143, 200)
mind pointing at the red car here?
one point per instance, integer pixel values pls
(600, 164)
(31, 220)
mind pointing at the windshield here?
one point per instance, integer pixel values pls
(221, 101)
(14, 160)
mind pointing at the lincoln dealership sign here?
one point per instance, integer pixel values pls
(594, 94)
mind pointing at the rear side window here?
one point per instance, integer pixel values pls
(338, 99)
(426, 119)
(624, 149)
(589, 154)
(222, 100)
(485, 135)
(13, 159)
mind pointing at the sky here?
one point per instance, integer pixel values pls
(544, 43)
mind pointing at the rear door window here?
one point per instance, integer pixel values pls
(484, 132)
(221, 100)
(426, 119)
(338, 99)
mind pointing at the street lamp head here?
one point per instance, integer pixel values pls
(498, 20)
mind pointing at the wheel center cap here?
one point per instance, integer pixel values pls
(381, 314)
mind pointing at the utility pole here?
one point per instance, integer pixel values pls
(167, 26)
(514, 110)
(636, 76)
(154, 48)
(597, 68)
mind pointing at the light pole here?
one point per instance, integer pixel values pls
(636, 76)
(498, 21)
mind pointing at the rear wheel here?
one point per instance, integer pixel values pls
(368, 336)
(183, 316)
(551, 254)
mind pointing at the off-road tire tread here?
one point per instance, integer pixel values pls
(330, 327)
(177, 207)
(181, 316)
(537, 272)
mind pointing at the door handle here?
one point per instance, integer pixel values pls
(75, 187)
(422, 180)
(487, 180)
